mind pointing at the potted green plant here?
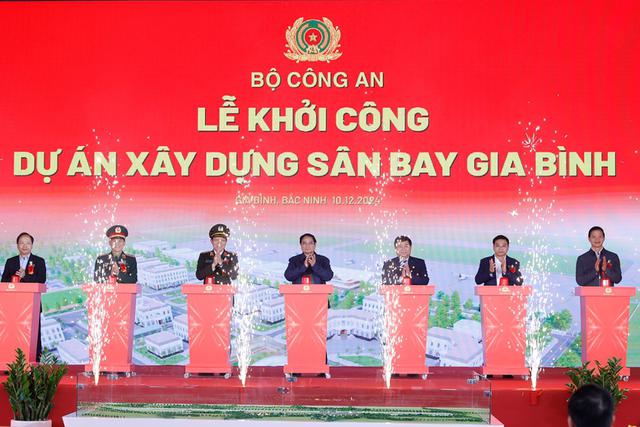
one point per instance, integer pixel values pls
(606, 376)
(31, 388)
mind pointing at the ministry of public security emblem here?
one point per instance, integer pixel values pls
(313, 40)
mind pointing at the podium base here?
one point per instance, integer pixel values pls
(410, 370)
(505, 370)
(126, 368)
(306, 369)
(207, 369)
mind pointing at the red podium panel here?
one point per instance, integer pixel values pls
(119, 302)
(504, 334)
(604, 316)
(407, 309)
(209, 314)
(19, 320)
(306, 318)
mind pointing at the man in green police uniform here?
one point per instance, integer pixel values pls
(218, 264)
(116, 263)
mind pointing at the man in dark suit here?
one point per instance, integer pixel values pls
(308, 264)
(499, 265)
(219, 265)
(116, 263)
(29, 268)
(404, 265)
(597, 263)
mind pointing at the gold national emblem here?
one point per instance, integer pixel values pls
(313, 40)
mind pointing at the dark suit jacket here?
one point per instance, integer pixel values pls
(320, 273)
(586, 274)
(392, 273)
(485, 277)
(222, 274)
(39, 276)
(102, 268)
(39, 271)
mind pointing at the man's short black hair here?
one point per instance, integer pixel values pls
(500, 237)
(308, 235)
(402, 239)
(591, 406)
(595, 228)
(24, 233)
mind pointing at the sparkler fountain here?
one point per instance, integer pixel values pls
(101, 216)
(382, 222)
(538, 210)
(245, 312)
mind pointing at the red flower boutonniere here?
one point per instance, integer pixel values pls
(513, 268)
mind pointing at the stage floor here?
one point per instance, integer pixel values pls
(511, 400)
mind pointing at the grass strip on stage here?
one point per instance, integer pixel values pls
(285, 413)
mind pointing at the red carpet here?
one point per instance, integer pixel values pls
(512, 401)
